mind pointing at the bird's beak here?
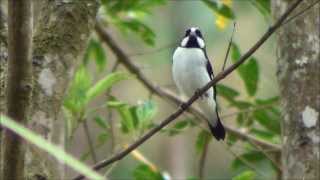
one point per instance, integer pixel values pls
(193, 34)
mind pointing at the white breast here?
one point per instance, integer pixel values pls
(189, 69)
(190, 74)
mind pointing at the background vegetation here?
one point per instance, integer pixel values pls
(108, 106)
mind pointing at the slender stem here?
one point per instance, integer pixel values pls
(110, 115)
(229, 47)
(202, 161)
(185, 106)
(89, 140)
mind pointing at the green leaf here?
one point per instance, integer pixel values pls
(141, 29)
(263, 6)
(249, 71)
(101, 122)
(220, 9)
(203, 138)
(144, 172)
(102, 138)
(227, 92)
(267, 101)
(235, 52)
(95, 50)
(250, 75)
(127, 120)
(76, 97)
(263, 134)
(145, 112)
(50, 148)
(178, 127)
(241, 104)
(231, 139)
(251, 157)
(269, 119)
(104, 84)
(245, 175)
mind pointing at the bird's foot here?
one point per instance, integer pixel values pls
(201, 96)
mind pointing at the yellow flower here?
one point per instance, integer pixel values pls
(221, 21)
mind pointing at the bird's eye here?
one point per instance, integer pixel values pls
(198, 33)
(187, 32)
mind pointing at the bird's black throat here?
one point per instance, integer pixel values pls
(192, 42)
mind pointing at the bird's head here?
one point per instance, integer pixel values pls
(193, 38)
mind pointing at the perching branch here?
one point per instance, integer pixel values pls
(19, 84)
(166, 94)
(184, 106)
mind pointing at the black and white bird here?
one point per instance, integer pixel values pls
(191, 71)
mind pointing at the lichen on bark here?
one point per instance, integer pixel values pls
(61, 31)
(299, 81)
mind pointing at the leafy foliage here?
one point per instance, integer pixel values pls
(50, 148)
(263, 6)
(245, 175)
(134, 117)
(95, 51)
(128, 16)
(249, 72)
(179, 127)
(144, 172)
(221, 9)
(203, 138)
(82, 91)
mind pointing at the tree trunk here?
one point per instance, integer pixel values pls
(61, 31)
(299, 81)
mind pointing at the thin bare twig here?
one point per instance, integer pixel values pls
(110, 115)
(183, 107)
(300, 13)
(274, 162)
(229, 47)
(89, 140)
(244, 161)
(202, 160)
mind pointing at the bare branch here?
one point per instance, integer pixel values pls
(19, 84)
(202, 161)
(89, 140)
(183, 107)
(229, 47)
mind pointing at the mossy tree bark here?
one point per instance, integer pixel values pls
(299, 81)
(61, 31)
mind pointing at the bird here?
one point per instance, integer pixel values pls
(191, 70)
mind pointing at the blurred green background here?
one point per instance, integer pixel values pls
(176, 156)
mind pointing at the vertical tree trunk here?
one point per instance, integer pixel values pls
(61, 31)
(299, 81)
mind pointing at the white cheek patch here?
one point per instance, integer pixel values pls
(200, 42)
(184, 41)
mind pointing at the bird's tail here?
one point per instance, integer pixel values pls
(217, 130)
